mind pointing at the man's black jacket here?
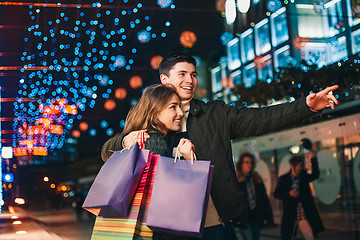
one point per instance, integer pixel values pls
(211, 127)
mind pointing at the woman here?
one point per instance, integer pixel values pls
(158, 112)
(259, 208)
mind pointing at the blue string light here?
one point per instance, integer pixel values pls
(69, 58)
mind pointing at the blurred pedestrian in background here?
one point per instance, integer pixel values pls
(299, 210)
(259, 209)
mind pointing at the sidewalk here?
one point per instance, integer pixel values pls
(16, 224)
(20, 224)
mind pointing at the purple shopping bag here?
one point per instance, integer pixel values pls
(114, 187)
(180, 197)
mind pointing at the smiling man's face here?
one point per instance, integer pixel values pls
(184, 77)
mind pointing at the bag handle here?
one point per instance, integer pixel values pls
(141, 143)
(177, 156)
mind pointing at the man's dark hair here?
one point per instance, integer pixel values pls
(306, 143)
(241, 160)
(169, 62)
(296, 160)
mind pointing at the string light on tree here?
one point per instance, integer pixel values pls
(70, 52)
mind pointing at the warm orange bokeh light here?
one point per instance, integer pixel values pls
(45, 122)
(76, 133)
(300, 41)
(227, 83)
(62, 101)
(52, 185)
(120, 93)
(83, 126)
(109, 104)
(135, 82)
(155, 62)
(40, 151)
(70, 109)
(56, 129)
(35, 130)
(19, 151)
(51, 109)
(188, 39)
(28, 142)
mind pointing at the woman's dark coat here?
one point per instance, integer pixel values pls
(262, 213)
(305, 196)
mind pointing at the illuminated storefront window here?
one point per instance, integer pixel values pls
(353, 8)
(335, 18)
(338, 48)
(315, 53)
(355, 37)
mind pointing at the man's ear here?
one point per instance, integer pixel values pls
(163, 78)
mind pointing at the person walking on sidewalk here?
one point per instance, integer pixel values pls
(259, 209)
(299, 210)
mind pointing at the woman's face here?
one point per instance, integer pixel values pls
(171, 115)
(246, 166)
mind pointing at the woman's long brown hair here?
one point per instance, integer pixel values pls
(144, 114)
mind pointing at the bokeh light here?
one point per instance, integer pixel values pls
(188, 39)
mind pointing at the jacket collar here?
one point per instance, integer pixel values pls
(195, 107)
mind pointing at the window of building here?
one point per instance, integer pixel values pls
(233, 54)
(236, 77)
(335, 18)
(216, 79)
(338, 48)
(279, 28)
(281, 57)
(355, 37)
(353, 7)
(265, 69)
(310, 23)
(315, 53)
(262, 37)
(247, 45)
(249, 75)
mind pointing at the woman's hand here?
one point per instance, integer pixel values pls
(133, 137)
(186, 148)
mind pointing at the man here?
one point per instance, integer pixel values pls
(211, 127)
(299, 209)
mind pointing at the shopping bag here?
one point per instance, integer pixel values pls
(114, 186)
(133, 226)
(180, 197)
